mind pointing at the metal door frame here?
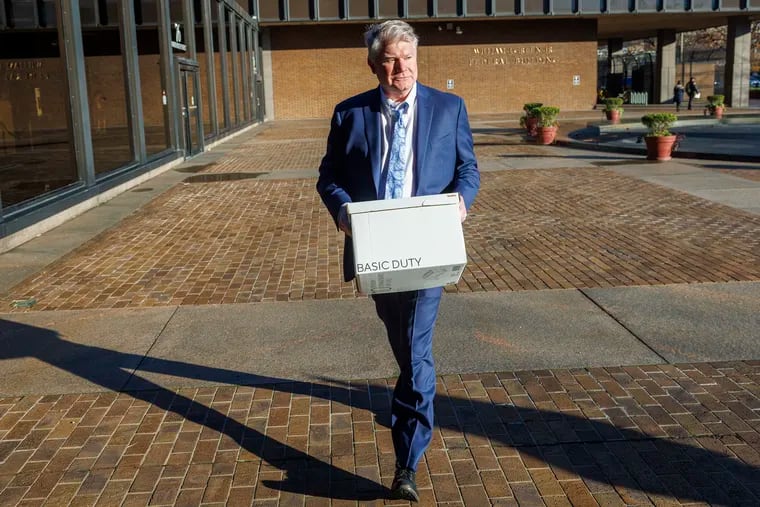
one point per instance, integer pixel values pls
(189, 69)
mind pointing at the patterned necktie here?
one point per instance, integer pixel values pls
(394, 183)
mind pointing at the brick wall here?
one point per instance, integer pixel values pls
(496, 66)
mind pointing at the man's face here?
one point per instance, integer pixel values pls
(396, 69)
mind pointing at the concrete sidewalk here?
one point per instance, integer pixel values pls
(602, 347)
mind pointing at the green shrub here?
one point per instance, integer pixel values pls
(715, 101)
(659, 123)
(531, 111)
(547, 116)
(529, 107)
(613, 104)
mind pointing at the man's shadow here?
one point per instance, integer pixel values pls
(595, 450)
(110, 369)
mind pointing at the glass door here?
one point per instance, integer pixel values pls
(191, 120)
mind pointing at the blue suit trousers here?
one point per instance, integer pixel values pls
(409, 319)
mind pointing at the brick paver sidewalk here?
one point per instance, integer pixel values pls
(662, 435)
(250, 240)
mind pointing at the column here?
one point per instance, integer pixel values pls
(665, 74)
(614, 81)
(738, 48)
(266, 69)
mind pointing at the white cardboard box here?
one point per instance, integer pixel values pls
(407, 244)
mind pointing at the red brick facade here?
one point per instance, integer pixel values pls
(496, 66)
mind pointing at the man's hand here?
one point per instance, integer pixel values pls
(344, 221)
(462, 209)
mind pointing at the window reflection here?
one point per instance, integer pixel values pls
(231, 83)
(200, 44)
(36, 155)
(240, 76)
(152, 87)
(219, 37)
(109, 126)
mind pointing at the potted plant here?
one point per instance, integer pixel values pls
(530, 118)
(547, 124)
(659, 139)
(715, 105)
(613, 109)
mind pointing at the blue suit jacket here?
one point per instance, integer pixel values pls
(351, 169)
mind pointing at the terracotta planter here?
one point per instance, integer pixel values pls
(613, 115)
(546, 135)
(659, 147)
(530, 125)
(717, 112)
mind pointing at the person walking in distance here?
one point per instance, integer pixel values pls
(400, 139)
(692, 91)
(678, 91)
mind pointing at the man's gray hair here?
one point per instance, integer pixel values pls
(380, 35)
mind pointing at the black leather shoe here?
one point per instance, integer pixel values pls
(404, 487)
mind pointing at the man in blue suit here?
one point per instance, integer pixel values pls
(432, 155)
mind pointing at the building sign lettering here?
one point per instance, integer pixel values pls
(524, 55)
(24, 71)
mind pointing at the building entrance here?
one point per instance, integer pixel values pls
(192, 123)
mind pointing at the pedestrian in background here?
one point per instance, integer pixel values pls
(678, 91)
(400, 139)
(692, 91)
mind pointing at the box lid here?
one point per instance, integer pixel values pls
(408, 202)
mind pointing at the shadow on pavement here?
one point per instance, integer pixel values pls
(731, 166)
(304, 474)
(595, 450)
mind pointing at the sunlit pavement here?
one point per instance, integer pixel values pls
(601, 347)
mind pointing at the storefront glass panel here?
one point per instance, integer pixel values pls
(218, 56)
(176, 11)
(36, 151)
(106, 94)
(23, 14)
(148, 13)
(111, 13)
(46, 11)
(152, 87)
(88, 12)
(206, 99)
(242, 86)
(249, 73)
(231, 86)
